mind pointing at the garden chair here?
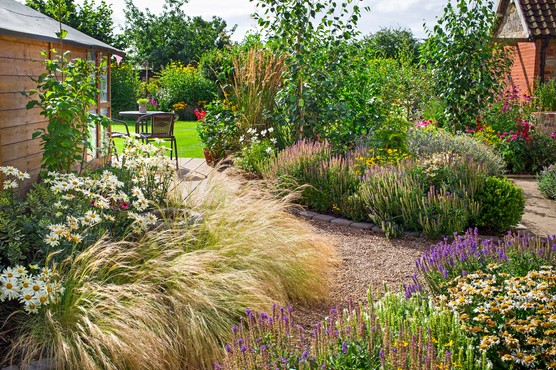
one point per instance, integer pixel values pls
(159, 126)
(117, 135)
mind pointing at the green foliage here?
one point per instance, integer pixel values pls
(324, 80)
(187, 85)
(502, 204)
(527, 154)
(393, 194)
(65, 93)
(547, 181)
(545, 95)
(219, 131)
(393, 43)
(255, 155)
(425, 142)
(88, 17)
(467, 66)
(124, 86)
(172, 36)
(326, 182)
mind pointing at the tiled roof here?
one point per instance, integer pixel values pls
(540, 16)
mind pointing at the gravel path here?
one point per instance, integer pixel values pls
(364, 260)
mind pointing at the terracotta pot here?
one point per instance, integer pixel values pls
(209, 156)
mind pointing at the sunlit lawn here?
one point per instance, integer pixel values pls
(189, 145)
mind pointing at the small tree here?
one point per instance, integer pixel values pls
(65, 93)
(467, 65)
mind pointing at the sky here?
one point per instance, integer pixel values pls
(384, 13)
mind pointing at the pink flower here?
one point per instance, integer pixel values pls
(553, 135)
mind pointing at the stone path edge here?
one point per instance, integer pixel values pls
(375, 229)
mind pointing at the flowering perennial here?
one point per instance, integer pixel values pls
(513, 317)
(32, 289)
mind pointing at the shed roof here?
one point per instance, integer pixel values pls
(21, 21)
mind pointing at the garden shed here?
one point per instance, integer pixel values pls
(529, 28)
(24, 33)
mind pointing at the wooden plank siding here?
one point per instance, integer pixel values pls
(20, 61)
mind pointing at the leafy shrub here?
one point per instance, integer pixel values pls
(184, 84)
(502, 204)
(545, 95)
(219, 130)
(177, 290)
(547, 182)
(125, 87)
(64, 95)
(255, 154)
(425, 143)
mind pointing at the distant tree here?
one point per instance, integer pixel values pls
(90, 18)
(172, 36)
(393, 43)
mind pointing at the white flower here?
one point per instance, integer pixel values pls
(10, 273)
(10, 288)
(270, 129)
(90, 218)
(52, 239)
(273, 140)
(269, 150)
(137, 191)
(10, 184)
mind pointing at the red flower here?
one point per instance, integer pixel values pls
(200, 114)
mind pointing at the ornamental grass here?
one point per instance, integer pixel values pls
(168, 299)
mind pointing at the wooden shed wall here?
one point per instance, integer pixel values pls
(20, 59)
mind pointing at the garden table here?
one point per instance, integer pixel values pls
(135, 114)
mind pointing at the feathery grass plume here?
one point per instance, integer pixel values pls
(256, 80)
(167, 301)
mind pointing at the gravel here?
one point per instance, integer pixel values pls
(365, 261)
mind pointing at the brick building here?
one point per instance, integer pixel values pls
(529, 28)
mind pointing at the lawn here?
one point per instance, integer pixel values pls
(189, 145)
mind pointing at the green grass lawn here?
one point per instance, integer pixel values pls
(189, 145)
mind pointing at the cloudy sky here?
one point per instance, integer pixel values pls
(384, 13)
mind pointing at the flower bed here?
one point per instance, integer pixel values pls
(445, 193)
(498, 315)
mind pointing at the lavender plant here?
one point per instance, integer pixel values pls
(516, 254)
(394, 333)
